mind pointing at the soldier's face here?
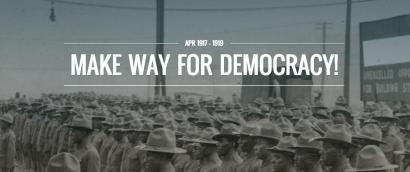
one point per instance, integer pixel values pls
(118, 136)
(133, 137)
(246, 143)
(385, 125)
(339, 118)
(331, 154)
(260, 148)
(154, 161)
(205, 151)
(224, 146)
(3, 125)
(143, 136)
(77, 135)
(305, 159)
(280, 162)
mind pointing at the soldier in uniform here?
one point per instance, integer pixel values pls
(160, 147)
(268, 137)
(307, 156)
(205, 158)
(393, 142)
(132, 159)
(372, 159)
(116, 153)
(336, 145)
(107, 142)
(80, 132)
(370, 134)
(7, 144)
(63, 162)
(228, 147)
(250, 163)
(283, 156)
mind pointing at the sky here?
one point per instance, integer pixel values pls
(34, 59)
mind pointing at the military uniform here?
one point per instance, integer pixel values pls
(393, 143)
(132, 160)
(105, 149)
(7, 151)
(89, 160)
(115, 157)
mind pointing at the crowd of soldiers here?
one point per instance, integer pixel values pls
(87, 132)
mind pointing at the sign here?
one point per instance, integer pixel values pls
(386, 82)
(385, 59)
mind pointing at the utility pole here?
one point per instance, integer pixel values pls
(323, 26)
(346, 87)
(160, 88)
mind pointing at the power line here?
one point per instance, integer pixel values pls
(249, 9)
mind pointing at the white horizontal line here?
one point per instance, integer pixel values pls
(287, 43)
(204, 85)
(120, 43)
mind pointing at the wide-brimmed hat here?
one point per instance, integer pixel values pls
(81, 122)
(228, 130)
(269, 130)
(338, 134)
(286, 126)
(179, 116)
(63, 162)
(343, 110)
(304, 125)
(206, 136)
(319, 105)
(384, 113)
(146, 126)
(321, 113)
(255, 111)
(341, 101)
(190, 135)
(233, 117)
(249, 129)
(259, 101)
(93, 105)
(7, 117)
(161, 140)
(204, 119)
(270, 101)
(370, 133)
(284, 146)
(372, 158)
(279, 102)
(133, 125)
(306, 141)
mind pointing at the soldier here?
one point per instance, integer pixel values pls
(63, 162)
(107, 142)
(251, 163)
(336, 145)
(369, 135)
(228, 147)
(160, 148)
(393, 142)
(372, 159)
(307, 156)
(132, 158)
(7, 144)
(116, 153)
(283, 156)
(268, 137)
(205, 157)
(98, 135)
(84, 150)
(42, 136)
(406, 160)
